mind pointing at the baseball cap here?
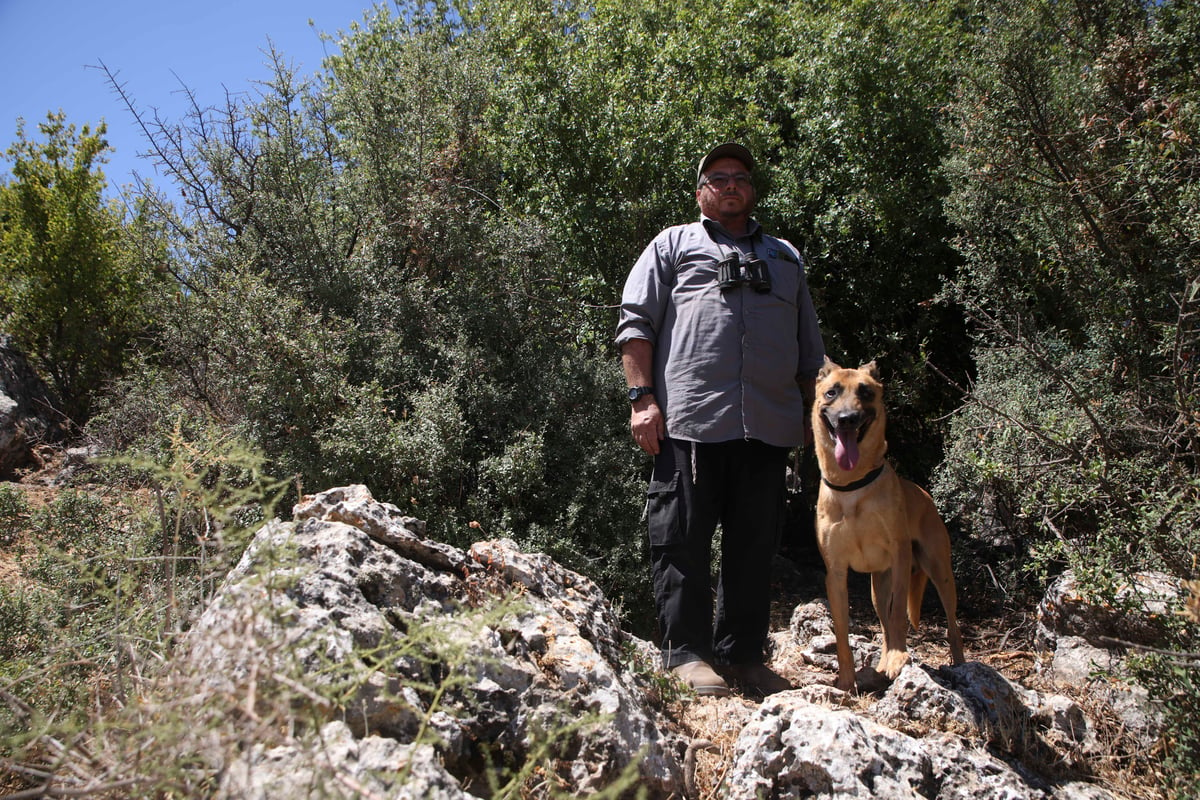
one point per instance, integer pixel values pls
(726, 150)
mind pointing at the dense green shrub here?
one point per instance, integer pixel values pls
(1075, 437)
(1173, 682)
(361, 310)
(1076, 148)
(67, 616)
(107, 584)
(14, 509)
(23, 627)
(73, 294)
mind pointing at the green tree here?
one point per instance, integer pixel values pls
(1075, 191)
(1074, 169)
(71, 292)
(416, 255)
(363, 304)
(599, 117)
(861, 185)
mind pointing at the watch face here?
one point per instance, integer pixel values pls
(634, 394)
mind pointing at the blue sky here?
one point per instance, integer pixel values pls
(49, 51)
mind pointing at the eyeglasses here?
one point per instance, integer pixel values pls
(719, 180)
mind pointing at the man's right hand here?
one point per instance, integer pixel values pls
(646, 424)
(645, 418)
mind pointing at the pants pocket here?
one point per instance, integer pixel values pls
(663, 511)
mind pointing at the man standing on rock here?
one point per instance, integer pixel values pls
(720, 346)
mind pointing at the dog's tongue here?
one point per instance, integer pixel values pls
(846, 449)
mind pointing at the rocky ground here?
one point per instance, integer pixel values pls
(712, 727)
(1006, 643)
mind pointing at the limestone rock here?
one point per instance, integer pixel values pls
(335, 765)
(1142, 606)
(1087, 639)
(436, 648)
(812, 627)
(411, 667)
(27, 415)
(795, 748)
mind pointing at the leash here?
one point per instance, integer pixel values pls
(858, 484)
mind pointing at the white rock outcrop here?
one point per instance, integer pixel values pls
(412, 668)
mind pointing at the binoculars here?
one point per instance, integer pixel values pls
(735, 270)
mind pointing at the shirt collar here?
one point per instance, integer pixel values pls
(753, 229)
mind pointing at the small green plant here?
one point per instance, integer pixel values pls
(662, 688)
(14, 511)
(22, 624)
(111, 584)
(1172, 676)
(13, 505)
(1172, 680)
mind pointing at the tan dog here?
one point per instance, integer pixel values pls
(869, 519)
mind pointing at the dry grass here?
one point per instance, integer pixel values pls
(1004, 644)
(713, 724)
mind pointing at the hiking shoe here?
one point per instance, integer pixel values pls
(757, 678)
(702, 679)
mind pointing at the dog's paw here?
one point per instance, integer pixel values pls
(845, 682)
(892, 661)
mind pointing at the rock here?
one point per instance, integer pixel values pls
(976, 701)
(1088, 640)
(916, 696)
(793, 748)
(76, 462)
(27, 415)
(810, 620)
(963, 718)
(338, 765)
(384, 523)
(1075, 661)
(376, 662)
(812, 627)
(1137, 615)
(1002, 708)
(472, 655)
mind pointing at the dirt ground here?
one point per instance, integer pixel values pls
(713, 724)
(1003, 643)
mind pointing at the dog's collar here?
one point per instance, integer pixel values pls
(858, 484)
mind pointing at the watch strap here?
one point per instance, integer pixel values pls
(637, 392)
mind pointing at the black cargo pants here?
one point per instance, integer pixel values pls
(694, 486)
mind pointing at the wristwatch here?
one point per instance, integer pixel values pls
(636, 392)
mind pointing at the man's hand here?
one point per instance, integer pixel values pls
(646, 424)
(645, 418)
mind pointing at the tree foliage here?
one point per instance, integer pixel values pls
(1074, 182)
(602, 111)
(71, 294)
(1075, 178)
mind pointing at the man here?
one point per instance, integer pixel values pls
(720, 347)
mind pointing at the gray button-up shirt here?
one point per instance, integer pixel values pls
(726, 364)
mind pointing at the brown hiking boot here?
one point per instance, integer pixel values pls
(757, 678)
(702, 679)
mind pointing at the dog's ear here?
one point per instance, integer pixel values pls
(871, 369)
(828, 368)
